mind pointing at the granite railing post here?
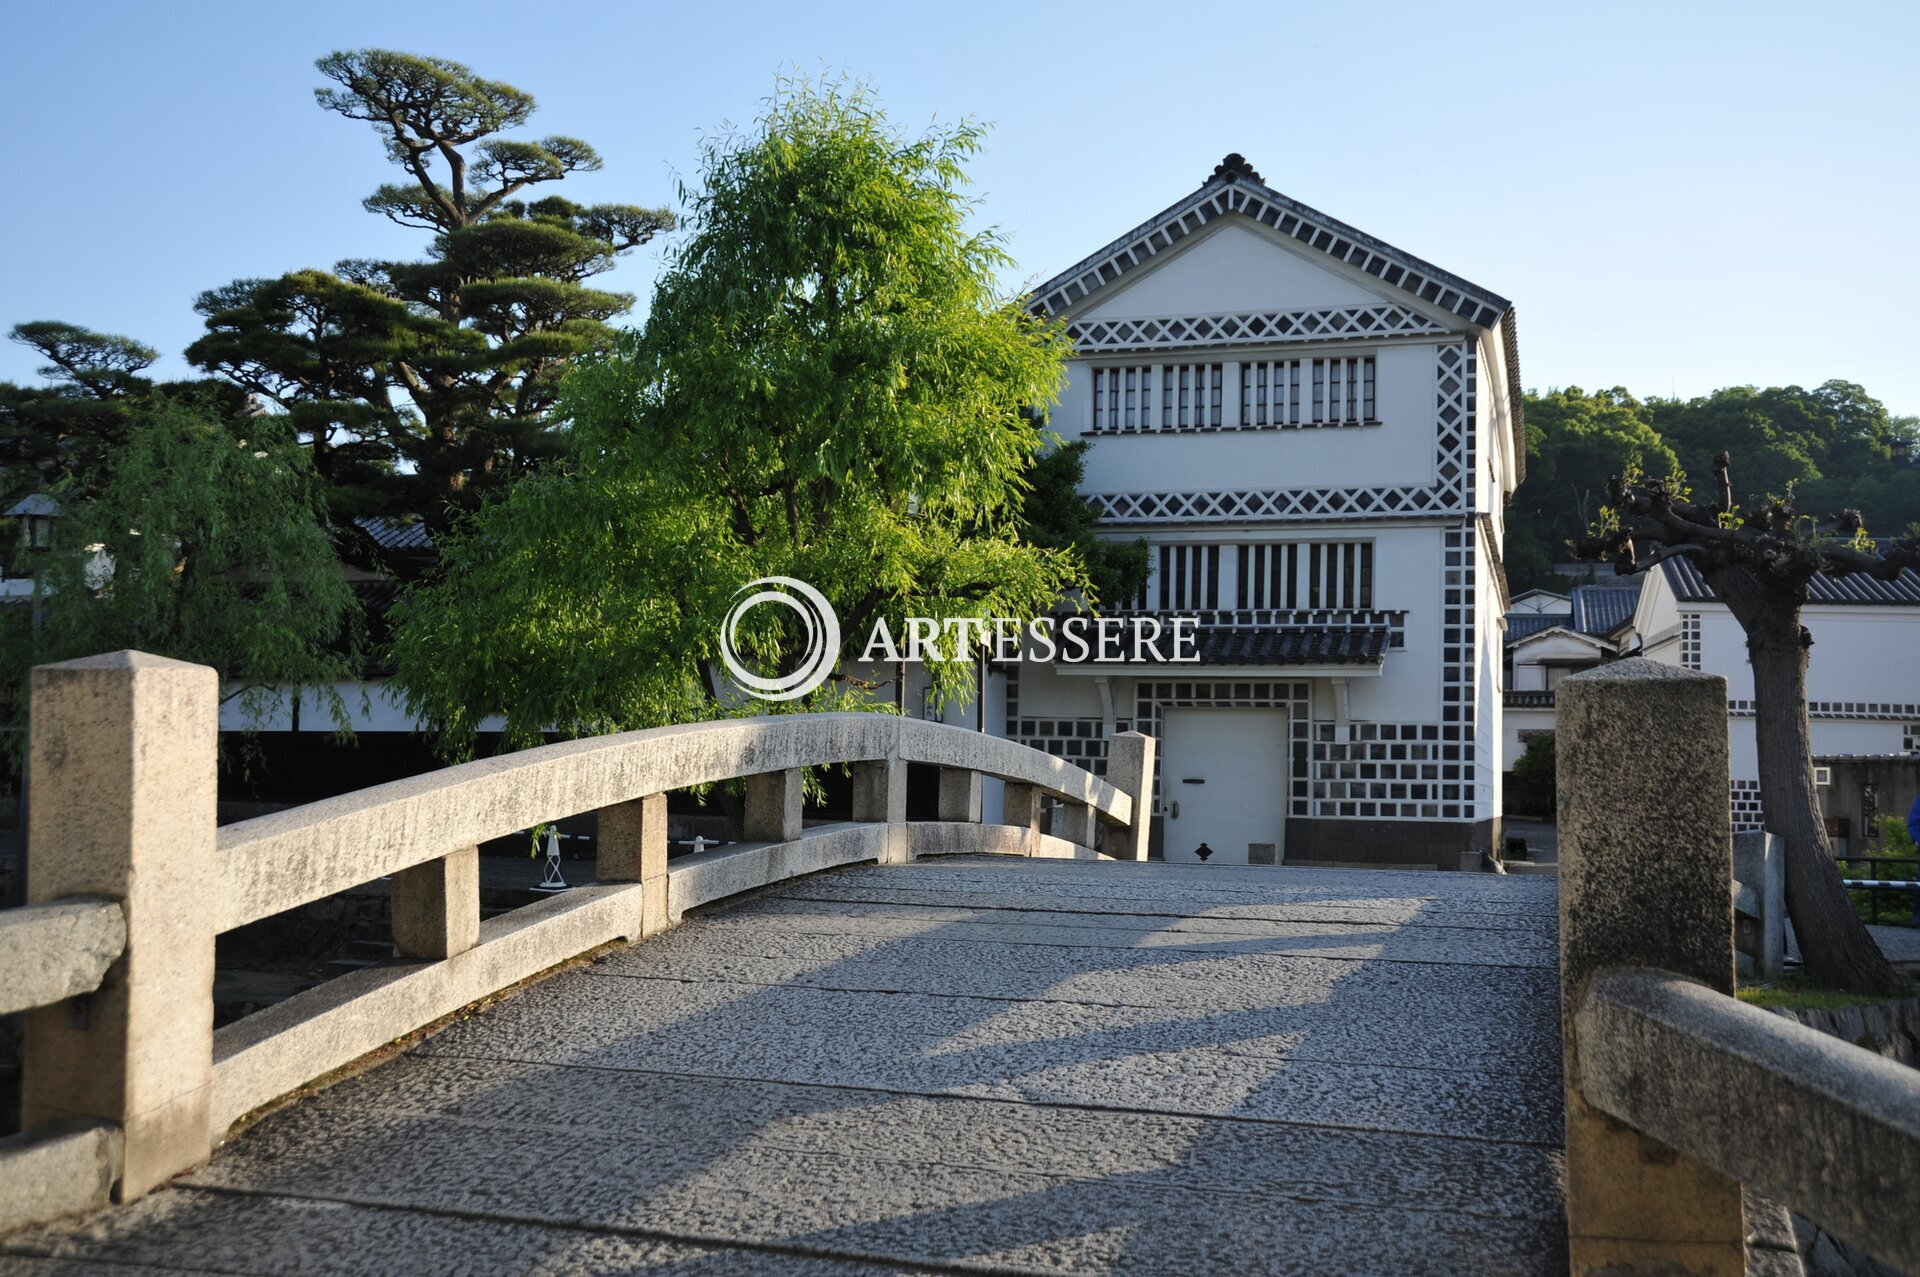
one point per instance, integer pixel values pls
(1646, 866)
(773, 807)
(1078, 823)
(630, 843)
(1773, 906)
(960, 794)
(124, 752)
(1760, 902)
(436, 906)
(1130, 770)
(1022, 806)
(880, 796)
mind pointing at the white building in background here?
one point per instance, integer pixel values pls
(1863, 679)
(1550, 636)
(1316, 434)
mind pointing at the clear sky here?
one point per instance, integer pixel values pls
(1678, 196)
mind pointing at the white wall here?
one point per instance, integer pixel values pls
(1656, 618)
(1840, 736)
(1397, 451)
(1406, 576)
(1512, 723)
(1488, 716)
(1047, 694)
(370, 707)
(1869, 654)
(1235, 265)
(1496, 473)
(1864, 654)
(1723, 649)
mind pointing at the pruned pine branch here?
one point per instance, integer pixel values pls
(1760, 564)
(1774, 537)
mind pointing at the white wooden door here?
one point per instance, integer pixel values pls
(1223, 777)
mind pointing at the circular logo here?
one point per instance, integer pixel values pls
(817, 617)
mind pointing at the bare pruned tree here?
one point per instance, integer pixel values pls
(1761, 561)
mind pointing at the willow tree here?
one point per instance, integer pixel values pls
(195, 544)
(421, 385)
(829, 386)
(1761, 561)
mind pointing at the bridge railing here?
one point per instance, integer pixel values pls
(125, 1080)
(1677, 1093)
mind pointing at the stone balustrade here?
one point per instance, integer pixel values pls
(127, 1083)
(1677, 1094)
(52, 952)
(58, 952)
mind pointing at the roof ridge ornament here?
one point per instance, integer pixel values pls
(1233, 167)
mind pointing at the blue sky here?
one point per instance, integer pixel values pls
(1678, 196)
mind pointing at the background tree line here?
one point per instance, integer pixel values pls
(1832, 447)
(829, 384)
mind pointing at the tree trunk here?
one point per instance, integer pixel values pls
(1834, 943)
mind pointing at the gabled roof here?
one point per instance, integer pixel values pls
(1853, 590)
(395, 534)
(1522, 624)
(1593, 641)
(38, 503)
(1602, 609)
(1234, 188)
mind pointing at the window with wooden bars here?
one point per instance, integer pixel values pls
(1306, 574)
(1123, 398)
(1190, 396)
(1187, 578)
(1289, 393)
(1159, 397)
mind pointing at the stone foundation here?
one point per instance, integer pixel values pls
(1389, 844)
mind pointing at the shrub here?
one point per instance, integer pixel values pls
(1531, 786)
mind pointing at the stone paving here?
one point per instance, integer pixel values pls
(1900, 944)
(978, 1065)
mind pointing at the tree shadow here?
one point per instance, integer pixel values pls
(944, 1078)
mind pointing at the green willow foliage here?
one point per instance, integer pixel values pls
(202, 547)
(828, 387)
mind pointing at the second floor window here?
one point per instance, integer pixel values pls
(1158, 397)
(1123, 398)
(1190, 397)
(1287, 393)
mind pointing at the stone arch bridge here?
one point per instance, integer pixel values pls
(879, 1046)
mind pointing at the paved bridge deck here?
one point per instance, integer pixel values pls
(974, 1065)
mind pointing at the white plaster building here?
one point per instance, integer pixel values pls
(1316, 434)
(1550, 636)
(1863, 672)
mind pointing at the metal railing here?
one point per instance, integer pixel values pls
(1874, 886)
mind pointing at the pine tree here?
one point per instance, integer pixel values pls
(420, 386)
